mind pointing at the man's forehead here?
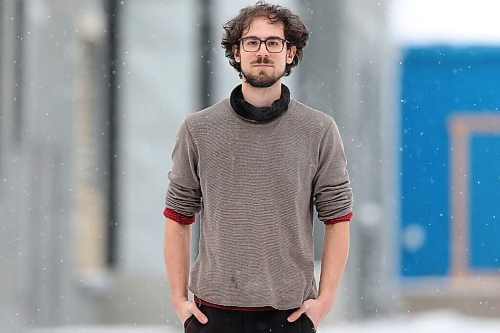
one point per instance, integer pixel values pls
(262, 25)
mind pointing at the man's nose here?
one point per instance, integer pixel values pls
(262, 51)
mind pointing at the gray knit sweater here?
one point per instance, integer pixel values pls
(255, 186)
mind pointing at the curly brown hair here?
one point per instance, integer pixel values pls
(295, 30)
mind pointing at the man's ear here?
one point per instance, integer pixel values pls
(236, 53)
(291, 54)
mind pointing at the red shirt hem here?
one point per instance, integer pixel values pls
(234, 308)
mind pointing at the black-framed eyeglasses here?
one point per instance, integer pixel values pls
(253, 44)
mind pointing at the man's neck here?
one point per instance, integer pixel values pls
(261, 97)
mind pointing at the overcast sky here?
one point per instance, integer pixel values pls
(446, 21)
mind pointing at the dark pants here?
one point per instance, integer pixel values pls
(232, 321)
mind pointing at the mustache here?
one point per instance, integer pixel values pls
(262, 60)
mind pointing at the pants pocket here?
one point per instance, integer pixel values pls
(307, 324)
(187, 322)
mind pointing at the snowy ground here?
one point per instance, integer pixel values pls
(432, 322)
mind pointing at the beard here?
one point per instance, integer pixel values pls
(261, 79)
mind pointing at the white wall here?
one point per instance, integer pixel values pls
(158, 89)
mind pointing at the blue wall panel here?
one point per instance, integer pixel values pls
(438, 82)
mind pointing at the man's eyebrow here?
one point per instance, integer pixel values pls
(251, 36)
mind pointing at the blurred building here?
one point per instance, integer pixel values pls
(57, 198)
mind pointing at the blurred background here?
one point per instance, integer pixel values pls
(92, 93)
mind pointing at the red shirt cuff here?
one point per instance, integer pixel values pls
(182, 219)
(345, 218)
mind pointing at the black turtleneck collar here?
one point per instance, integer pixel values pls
(261, 115)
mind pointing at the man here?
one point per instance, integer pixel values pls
(254, 166)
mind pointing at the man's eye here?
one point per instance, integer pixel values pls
(251, 42)
(273, 42)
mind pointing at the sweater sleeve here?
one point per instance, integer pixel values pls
(183, 198)
(331, 187)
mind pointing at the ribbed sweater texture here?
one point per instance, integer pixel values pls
(255, 186)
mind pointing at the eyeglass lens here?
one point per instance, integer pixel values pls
(273, 45)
